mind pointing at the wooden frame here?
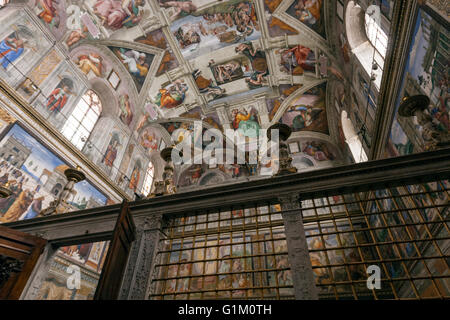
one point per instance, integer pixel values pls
(24, 248)
(43, 144)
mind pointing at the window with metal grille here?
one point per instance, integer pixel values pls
(379, 40)
(148, 180)
(377, 37)
(401, 230)
(80, 123)
(240, 253)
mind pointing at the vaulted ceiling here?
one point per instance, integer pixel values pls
(158, 66)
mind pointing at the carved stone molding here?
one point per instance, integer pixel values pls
(290, 201)
(153, 222)
(151, 24)
(441, 6)
(141, 259)
(298, 253)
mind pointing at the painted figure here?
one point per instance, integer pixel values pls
(77, 35)
(181, 8)
(135, 175)
(6, 203)
(58, 98)
(308, 11)
(126, 115)
(259, 64)
(189, 34)
(256, 80)
(11, 48)
(19, 206)
(172, 96)
(195, 173)
(135, 62)
(111, 152)
(239, 279)
(184, 271)
(225, 267)
(297, 59)
(149, 141)
(247, 49)
(246, 123)
(34, 209)
(49, 12)
(207, 86)
(307, 116)
(227, 71)
(116, 14)
(91, 62)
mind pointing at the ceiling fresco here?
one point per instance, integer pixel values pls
(161, 65)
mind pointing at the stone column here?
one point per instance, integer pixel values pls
(136, 281)
(298, 254)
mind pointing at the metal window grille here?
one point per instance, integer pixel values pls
(239, 253)
(402, 230)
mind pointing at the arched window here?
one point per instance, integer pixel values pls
(352, 139)
(148, 181)
(367, 38)
(376, 35)
(80, 123)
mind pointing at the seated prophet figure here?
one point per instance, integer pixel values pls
(246, 123)
(172, 96)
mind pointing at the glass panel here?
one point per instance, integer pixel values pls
(88, 123)
(80, 110)
(74, 272)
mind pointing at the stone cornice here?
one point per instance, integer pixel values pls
(98, 223)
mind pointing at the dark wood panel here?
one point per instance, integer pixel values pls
(116, 260)
(25, 249)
